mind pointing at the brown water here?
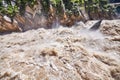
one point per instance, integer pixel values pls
(62, 53)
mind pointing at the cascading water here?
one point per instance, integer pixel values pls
(63, 6)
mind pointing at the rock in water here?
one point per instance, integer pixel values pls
(96, 25)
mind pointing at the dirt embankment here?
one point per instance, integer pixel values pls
(62, 54)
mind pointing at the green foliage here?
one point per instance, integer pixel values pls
(11, 7)
(55, 2)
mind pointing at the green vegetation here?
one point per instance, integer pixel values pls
(94, 8)
(12, 7)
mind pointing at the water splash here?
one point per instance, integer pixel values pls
(64, 10)
(56, 24)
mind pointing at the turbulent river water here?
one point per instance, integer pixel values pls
(62, 53)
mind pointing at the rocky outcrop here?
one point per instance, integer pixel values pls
(7, 26)
(60, 54)
(34, 19)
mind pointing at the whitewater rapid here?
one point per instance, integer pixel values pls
(62, 53)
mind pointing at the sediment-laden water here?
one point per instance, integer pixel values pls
(62, 53)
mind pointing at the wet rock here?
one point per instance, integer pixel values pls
(7, 26)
